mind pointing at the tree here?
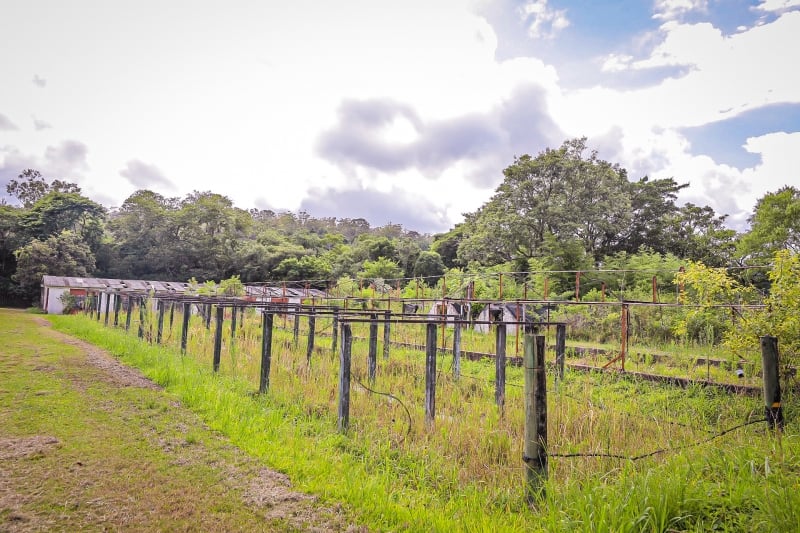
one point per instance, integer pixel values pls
(146, 236)
(30, 187)
(653, 209)
(64, 254)
(430, 267)
(697, 233)
(58, 211)
(382, 268)
(567, 192)
(775, 226)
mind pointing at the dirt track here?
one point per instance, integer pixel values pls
(33, 465)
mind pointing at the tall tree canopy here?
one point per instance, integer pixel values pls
(568, 192)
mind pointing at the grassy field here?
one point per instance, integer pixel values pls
(465, 472)
(87, 444)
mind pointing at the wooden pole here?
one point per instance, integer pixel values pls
(108, 307)
(578, 286)
(344, 377)
(296, 328)
(218, 337)
(372, 357)
(128, 316)
(99, 305)
(171, 316)
(500, 291)
(561, 343)
(772, 386)
(233, 330)
(117, 307)
(187, 312)
(267, 320)
(500, 367)
(141, 317)
(546, 288)
(430, 374)
(387, 333)
(335, 327)
(603, 292)
(208, 316)
(535, 445)
(457, 350)
(623, 350)
(160, 330)
(312, 326)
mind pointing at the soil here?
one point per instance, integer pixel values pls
(267, 491)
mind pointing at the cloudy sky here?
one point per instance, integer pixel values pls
(402, 112)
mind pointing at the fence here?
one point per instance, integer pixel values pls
(156, 311)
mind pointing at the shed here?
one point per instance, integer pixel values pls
(275, 294)
(450, 309)
(54, 287)
(502, 312)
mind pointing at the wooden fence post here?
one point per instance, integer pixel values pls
(535, 446)
(430, 374)
(141, 317)
(108, 308)
(500, 367)
(387, 332)
(561, 348)
(372, 357)
(128, 315)
(187, 312)
(335, 327)
(344, 377)
(160, 330)
(171, 316)
(267, 320)
(312, 326)
(233, 326)
(296, 325)
(99, 305)
(117, 307)
(772, 386)
(218, 337)
(457, 349)
(208, 316)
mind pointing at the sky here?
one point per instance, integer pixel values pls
(397, 112)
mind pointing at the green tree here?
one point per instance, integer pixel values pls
(146, 236)
(430, 267)
(569, 193)
(775, 226)
(58, 211)
(779, 317)
(699, 234)
(30, 187)
(382, 268)
(64, 254)
(653, 209)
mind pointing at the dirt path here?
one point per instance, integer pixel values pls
(126, 455)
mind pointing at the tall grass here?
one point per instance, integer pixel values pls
(465, 472)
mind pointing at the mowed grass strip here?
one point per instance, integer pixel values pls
(87, 444)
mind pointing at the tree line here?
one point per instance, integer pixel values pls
(564, 209)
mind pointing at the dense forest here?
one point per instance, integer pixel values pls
(562, 210)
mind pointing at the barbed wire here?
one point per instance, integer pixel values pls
(655, 452)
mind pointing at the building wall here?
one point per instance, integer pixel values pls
(53, 305)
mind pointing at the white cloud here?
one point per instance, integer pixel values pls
(673, 9)
(778, 5)
(543, 22)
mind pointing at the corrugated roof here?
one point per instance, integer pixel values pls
(114, 284)
(139, 285)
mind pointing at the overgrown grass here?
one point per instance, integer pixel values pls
(465, 472)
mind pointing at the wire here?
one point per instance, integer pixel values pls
(659, 451)
(392, 396)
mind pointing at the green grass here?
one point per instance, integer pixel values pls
(114, 457)
(465, 472)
